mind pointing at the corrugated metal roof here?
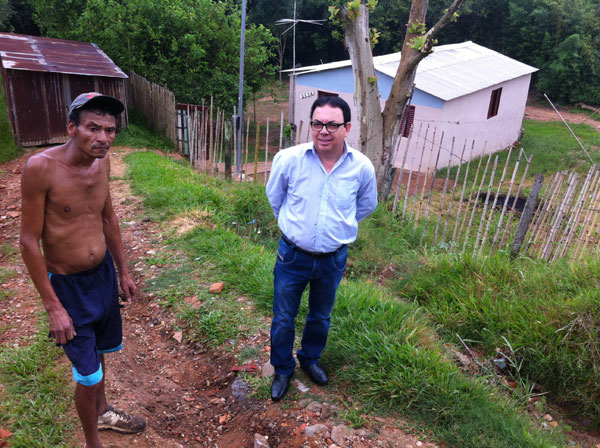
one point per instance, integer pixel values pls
(43, 54)
(451, 71)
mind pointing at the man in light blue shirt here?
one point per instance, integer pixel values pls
(318, 191)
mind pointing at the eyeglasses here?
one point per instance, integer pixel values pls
(331, 126)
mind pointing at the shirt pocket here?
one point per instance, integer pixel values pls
(346, 192)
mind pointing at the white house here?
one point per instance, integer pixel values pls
(465, 91)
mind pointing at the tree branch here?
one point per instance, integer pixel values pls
(447, 17)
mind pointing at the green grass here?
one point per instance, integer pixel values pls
(553, 147)
(8, 148)
(36, 395)
(550, 313)
(549, 145)
(169, 188)
(6, 274)
(384, 351)
(137, 135)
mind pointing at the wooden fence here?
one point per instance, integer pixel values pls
(474, 208)
(566, 221)
(480, 205)
(489, 203)
(206, 134)
(156, 104)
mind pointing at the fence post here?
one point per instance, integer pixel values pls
(528, 211)
(229, 132)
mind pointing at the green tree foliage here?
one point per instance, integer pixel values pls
(190, 46)
(314, 43)
(571, 73)
(16, 17)
(559, 37)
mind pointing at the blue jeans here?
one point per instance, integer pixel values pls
(293, 271)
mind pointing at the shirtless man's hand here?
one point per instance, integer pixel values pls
(128, 287)
(61, 326)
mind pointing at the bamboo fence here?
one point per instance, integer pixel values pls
(566, 222)
(476, 208)
(203, 134)
(471, 208)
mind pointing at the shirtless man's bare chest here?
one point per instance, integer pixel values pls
(72, 236)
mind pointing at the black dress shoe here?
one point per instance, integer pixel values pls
(280, 386)
(316, 374)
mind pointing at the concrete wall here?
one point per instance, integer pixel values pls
(465, 120)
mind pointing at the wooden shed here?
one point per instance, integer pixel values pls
(41, 78)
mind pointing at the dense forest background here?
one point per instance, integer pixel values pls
(192, 46)
(559, 37)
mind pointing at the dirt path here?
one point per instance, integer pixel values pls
(548, 114)
(188, 393)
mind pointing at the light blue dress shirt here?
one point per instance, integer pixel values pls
(316, 210)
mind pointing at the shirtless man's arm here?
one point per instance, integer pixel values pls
(112, 234)
(34, 188)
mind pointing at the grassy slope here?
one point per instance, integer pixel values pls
(397, 363)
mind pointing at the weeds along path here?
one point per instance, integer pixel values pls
(184, 390)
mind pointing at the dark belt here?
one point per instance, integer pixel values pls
(307, 252)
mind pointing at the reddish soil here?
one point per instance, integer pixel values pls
(187, 392)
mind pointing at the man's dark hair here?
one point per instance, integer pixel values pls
(74, 116)
(333, 101)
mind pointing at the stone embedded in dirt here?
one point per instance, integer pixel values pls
(304, 402)
(314, 407)
(216, 288)
(325, 411)
(178, 336)
(319, 428)
(260, 441)
(240, 389)
(4, 434)
(340, 433)
(268, 370)
(190, 299)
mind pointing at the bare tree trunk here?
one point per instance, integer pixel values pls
(379, 132)
(366, 91)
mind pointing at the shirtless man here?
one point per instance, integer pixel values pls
(66, 205)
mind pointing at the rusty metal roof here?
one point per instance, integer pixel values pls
(44, 54)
